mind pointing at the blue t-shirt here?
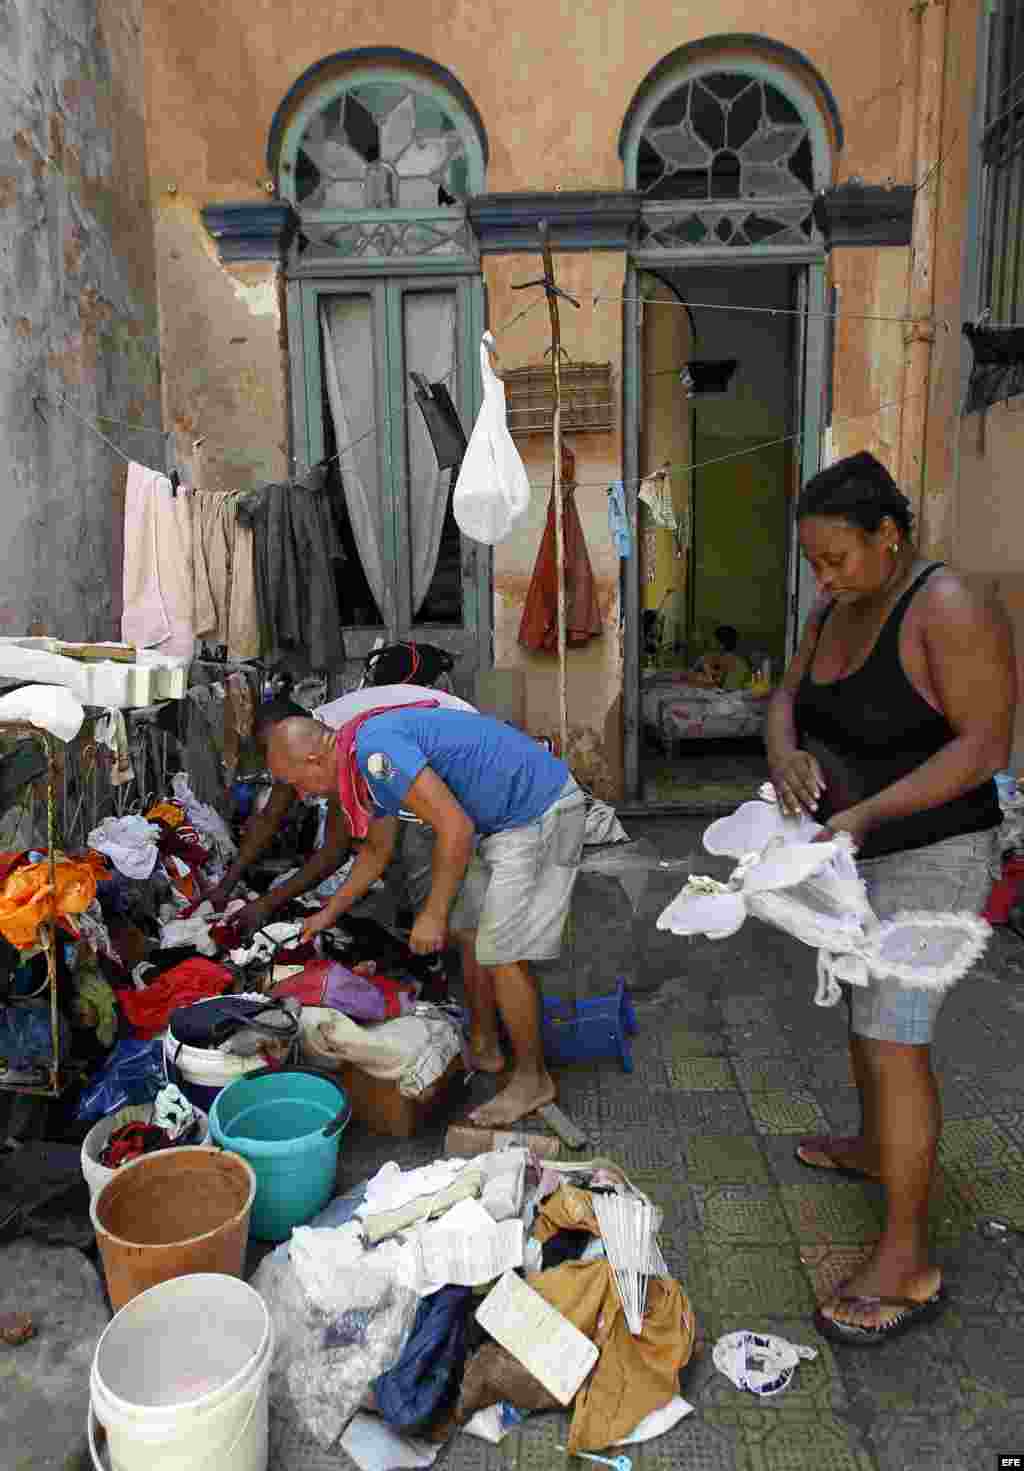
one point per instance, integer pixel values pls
(500, 777)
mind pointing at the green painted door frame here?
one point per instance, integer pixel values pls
(472, 643)
(811, 375)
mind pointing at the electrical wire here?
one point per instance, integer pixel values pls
(739, 454)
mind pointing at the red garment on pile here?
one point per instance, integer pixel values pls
(148, 1011)
(311, 987)
(538, 628)
(353, 793)
(1005, 892)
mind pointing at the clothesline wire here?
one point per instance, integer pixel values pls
(107, 419)
(94, 422)
(89, 424)
(735, 454)
(772, 311)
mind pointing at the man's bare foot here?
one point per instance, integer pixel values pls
(884, 1276)
(523, 1094)
(826, 1152)
(485, 1054)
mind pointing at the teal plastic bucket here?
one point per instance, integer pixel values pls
(287, 1123)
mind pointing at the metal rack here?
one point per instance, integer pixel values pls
(58, 1081)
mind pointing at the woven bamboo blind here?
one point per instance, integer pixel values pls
(586, 398)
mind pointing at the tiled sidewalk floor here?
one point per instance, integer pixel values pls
(733, 1063)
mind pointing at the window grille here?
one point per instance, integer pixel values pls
(1002, 157)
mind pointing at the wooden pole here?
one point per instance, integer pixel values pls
(556, 428)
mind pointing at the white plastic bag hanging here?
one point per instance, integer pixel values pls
(492, 490)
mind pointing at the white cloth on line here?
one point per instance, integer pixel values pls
(47, 707)
(159, 587)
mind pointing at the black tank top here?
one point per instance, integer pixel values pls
(879, 728)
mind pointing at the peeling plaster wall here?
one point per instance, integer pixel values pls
(225, 366)
(77, 305)
(552, 87)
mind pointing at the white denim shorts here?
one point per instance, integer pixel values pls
(519, 884)
(956, 874)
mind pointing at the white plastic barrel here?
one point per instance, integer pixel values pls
(179, 1379)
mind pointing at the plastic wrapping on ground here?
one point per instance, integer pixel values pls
(326, 1361)
(133, 1073)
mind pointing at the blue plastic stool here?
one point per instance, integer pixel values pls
(581, 1031)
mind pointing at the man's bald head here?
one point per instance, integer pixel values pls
(301, 752)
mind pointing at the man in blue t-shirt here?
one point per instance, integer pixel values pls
(508, 820)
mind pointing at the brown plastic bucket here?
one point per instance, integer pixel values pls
(172, 1213)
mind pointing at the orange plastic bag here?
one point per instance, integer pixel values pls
(27, 901)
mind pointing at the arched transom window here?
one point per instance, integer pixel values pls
(724, 158)
(379, 163)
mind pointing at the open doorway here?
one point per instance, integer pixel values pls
(714, 521)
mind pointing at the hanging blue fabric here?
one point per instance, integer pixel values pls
(618, 520)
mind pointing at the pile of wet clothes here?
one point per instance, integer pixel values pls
(385, 1310)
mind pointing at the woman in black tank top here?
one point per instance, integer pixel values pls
(890, 723)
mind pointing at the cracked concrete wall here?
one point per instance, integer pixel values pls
(78, 312)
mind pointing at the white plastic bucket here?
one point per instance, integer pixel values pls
(98, 1137)
(201, 1072)
(179, 1379)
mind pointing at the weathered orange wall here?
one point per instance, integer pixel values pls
(552, 85)
(592, 333)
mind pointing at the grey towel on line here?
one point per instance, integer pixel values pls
(296, 550)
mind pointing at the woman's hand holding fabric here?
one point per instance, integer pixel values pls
(854, 821)
(798, 783)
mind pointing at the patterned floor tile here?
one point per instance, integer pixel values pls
(650, 1146)
(963, 1098)
(837, 1211)
(701, 1074)
(533, 1448)
(841, 1107)
(781, 1440)
(1011, 1122)
(758, 1282)
(830, 1266)
(627, 1100)
(749, 1214)
(670, 1191)
(682, 1041)
(920, 1443)
(712, 1113)
(748, 1011)
(787, 1169)
(951, 1216)
(896, 1378)
(767, 1074)
(998, 1193)
(983, 1276)
(990, 1350)
(786, 1113)
(977, 1142)
(694, 1444)
(727, 1159)
(761, 1041)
